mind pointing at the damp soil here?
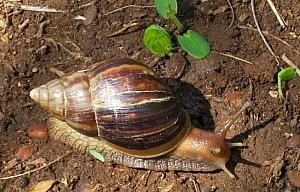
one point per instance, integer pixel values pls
(211, 90)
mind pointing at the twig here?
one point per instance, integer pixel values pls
(237, 58)
(37, 169)
(42, 26)
(232, 13)
(273, 36)
(82, 6)
(23, 25)
(35, 8)
(128, 6)
(77, 48)
(290, 63)
(40, 9)
(76, 55)
(279, 18)
(260, 32)
(126, 26)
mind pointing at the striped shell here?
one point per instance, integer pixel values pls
(121, 101)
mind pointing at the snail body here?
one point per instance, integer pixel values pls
(125, 111)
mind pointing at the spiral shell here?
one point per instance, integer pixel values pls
(122, 101)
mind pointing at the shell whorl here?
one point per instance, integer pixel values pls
(68, 99)
(126, 103)
(52, 100)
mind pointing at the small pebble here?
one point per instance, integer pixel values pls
(38, 130)
(294, 178)
(34, 70)
(288, 135)
(274, 94)
(24, 152)
(293, 142)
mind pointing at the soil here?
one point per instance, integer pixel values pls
(211, 89)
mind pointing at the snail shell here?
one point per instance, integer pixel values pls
(122, 101)
(122, 109)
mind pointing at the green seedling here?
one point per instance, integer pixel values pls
(285, 75)
(167, 9)
(97, 155)
(194, 44)
(158, 40)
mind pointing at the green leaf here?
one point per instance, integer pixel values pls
(194, 44)
(285, 75)
(157, 40)
(166, 8)
(97, 155)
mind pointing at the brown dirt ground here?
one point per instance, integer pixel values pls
(26, 59)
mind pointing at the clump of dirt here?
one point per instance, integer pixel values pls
(35, 45)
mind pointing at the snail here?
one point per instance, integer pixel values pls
(122, 109)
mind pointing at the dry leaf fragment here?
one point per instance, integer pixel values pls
(42, 186)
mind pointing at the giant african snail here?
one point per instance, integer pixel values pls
(123, 109)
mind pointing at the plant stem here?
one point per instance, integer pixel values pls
(280, 88)
(177, 23)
